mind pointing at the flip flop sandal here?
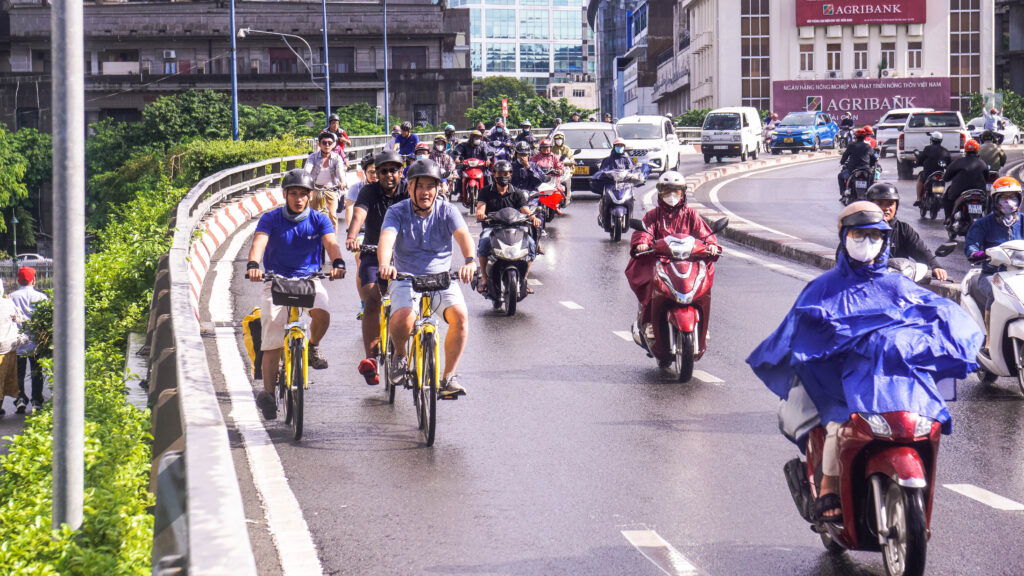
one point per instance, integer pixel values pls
(826, 503)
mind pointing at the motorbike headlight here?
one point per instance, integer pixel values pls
(923, 426)
(879, 427)
(510, 252)
(1016, 259)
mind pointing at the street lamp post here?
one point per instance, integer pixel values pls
(387, 97)
(234, 76)
(14, 231)
(243, 32)
(327, 73)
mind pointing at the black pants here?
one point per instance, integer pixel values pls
(37, 377)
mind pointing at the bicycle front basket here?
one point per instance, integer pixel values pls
(431, 282)
(298, 292)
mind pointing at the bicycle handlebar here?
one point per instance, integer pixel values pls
(403, 276)
(268, 276)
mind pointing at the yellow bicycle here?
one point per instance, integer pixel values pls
(385, 349)
(424, 353)
(293, 375)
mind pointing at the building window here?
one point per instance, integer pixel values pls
(282, 61)
(170, 66)
(833, 57)
(342, 60)
(533, 24)
(501, 57)
(964, 51)
(567, 3)
(860, 56)
(568, 58)
(807, 57)
(888, 56)
(475, 29)
(501, 2)
(913, 55)
(579, 93)
(534, 58)
(476, 57)
(409, 57)
(754, 54)
(534, 2)
(501, 23)
(567, 25)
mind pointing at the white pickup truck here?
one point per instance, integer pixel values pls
(917, 134)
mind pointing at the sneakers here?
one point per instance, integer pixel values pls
(316, 358)
(368, 369)
(399, 368)
(266, 403)
(37, 404)
(450, 387)
(20, 404)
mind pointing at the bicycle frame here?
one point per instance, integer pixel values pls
(425, 324)
(295, 330)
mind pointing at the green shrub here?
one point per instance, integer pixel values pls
(692, 118)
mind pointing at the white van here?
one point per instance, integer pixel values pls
(651, 140)
(731, 132)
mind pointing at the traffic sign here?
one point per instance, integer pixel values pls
(504, 107)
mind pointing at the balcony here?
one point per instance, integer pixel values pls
(120, 68)
(673, 75)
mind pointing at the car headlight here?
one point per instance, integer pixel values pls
(773, 133)
(879, 427)
(923, 426)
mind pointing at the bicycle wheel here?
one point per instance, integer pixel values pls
(296, 392)
(282, 392)
(427, 390)
(385, 352)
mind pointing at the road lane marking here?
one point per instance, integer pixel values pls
(707, 378)
(533, 282)
(295, 548)
(571, 305)
(987, 498)
(661, 553)
(624, 334)
(780, 268)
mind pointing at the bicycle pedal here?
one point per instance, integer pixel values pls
(453, 397)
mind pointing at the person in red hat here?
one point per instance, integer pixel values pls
(25, 299)
(11, 339)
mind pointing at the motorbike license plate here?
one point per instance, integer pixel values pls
(787, 140)
(937, 189)
(860, 184)
(581, 170)
(975, 209)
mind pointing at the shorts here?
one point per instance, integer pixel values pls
(368, 267)
(403, 296)
(274, 318)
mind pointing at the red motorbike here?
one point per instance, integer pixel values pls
(680, 297)
(472, 180)
(887, 479)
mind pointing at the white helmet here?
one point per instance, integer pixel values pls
(936, 136)
(671, 180)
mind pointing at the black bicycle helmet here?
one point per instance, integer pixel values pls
(406, 125)
(883, 191)
(988, 136)
(523, 147)
(297, 178)
(367, 161)
(421, 168)
(333, 118)
(388, 157)
(502, 166)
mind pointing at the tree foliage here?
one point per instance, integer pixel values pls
(505, 87)
(692, 118)
(1013, 106)
(12, 175)
(540, 111)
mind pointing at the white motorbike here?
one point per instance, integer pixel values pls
(1005, 332)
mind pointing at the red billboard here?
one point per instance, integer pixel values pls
(836, 12)
(865, 99)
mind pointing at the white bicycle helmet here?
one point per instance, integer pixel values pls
(671, 180)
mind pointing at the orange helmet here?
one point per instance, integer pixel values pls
(1005, 184)
(860, 133)
(867, 130)
(971, 146)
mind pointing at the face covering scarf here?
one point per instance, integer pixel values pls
(502, 180)
(863, 249)
(619, 149)
(293, 217)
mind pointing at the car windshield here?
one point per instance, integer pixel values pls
(798, 119)
(589, 139)
(977, 123)
(639, 131)
(722, 121)
(895, 119)
(934, 120)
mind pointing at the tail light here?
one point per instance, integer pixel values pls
(963, 140)
(899, 142)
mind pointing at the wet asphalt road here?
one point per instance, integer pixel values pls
(570, 435)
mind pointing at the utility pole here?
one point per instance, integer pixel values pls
(387, 94)
(234, 74)
(68, 106)
(327, 73)
(14, 231)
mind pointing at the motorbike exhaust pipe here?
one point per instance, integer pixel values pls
(799, 487)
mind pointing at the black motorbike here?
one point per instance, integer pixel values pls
(617, 198)
(932, 190)
(857, 185)
(968, 207)
(509, 231)
(844, 137)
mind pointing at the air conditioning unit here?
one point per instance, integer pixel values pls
(887, 72)
(170, 55)
(201, 69)
(833, 73)
(859, 74)
(254, 66)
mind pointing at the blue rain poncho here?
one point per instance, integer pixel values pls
(862, 339)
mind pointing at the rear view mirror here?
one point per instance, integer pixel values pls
(719, 225)
(945, 249)
(637, 225)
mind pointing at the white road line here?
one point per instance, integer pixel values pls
(533, 282)
(624, 334)
(660, 553)
(295, 548)
(987, 498)
(780, 268)
(571, 305)
(707, 378)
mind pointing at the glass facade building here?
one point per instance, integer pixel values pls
(542, 41)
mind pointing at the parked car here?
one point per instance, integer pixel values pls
(731, 132)
(591, 142)
(650, 140)
(916, 135)
(804, 131)
(1010, 131)
(890, 126)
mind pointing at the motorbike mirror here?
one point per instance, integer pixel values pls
(637, 225)
(719, 225)
(534, 195)
(945, 249)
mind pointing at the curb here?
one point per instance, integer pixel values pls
(755, 236)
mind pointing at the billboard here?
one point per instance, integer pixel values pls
(865, 99)
(836, 12)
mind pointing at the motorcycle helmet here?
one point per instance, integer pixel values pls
(575, 117)
(860, 134)
(545, 143)
(449, 130)
(480, 126)
(523, 148)
(327, 134)
(395, 130)
(971, 147)
(422, 146)
(988, 136)
(993, 111)
(867, 130)
(297, 178)
(558, 121)
(440, 138)
(423, 169)
(1006, 185)
(862, 214)
(671, 180)
(499, 124)
(502, 166)
(333, 118)
(619, 141)
(406, 126)
(935, 137)
(883, 191)
(387, 157)
(367, 161)
(525, 125)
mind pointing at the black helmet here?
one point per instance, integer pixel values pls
(333, 118)
(988, 136)
(406, 125)
(502, 166)
(328, 134)
(425, 167)
(388, 157)
(883, 191)
(367, 161)
(297, 178)
(523, 147)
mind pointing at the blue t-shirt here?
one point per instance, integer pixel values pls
(407, 146)
(423, 245)
(294, 249)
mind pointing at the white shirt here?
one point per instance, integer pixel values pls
(10, 326)
(24, 299)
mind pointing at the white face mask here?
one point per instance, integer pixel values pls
(558, 141)
(672, 198)
(439, 147)
(863, 249)
(1008, 206)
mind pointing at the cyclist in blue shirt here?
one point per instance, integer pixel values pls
(406, 141)
(290, 242)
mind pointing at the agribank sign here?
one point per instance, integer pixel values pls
(866, 100)
(826, 12)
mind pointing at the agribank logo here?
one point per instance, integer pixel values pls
(872, 9)
(827, 10)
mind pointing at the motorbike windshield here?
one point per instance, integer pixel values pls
(866, 340)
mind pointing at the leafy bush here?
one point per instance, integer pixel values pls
(1013, 106)
(692, 118)
(540, 111)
